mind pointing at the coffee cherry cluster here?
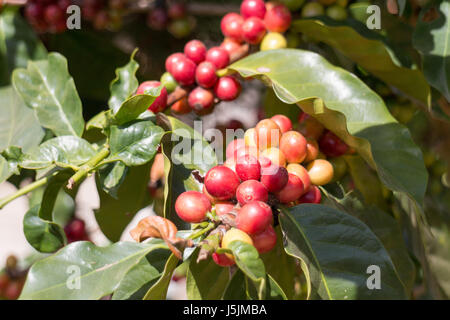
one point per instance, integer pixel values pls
(272, 164)
(104, 14)
(12, 280)
(258, 23)
(195, 70)
(47, 15)
(75, 230)
(173, 17)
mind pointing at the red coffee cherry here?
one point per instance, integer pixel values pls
(54, 15)
(251, 190)
(254, 217)
(223, 207)
(222, 259)
(221, 182)
(75, 230)
(12, 292)
(242, 151)
(231, 26)
(210, 197)
(278, 18)
(332, 146)
(273, 177)
(253, 30)
(230, 45)
(293, 190)
(227, 88)
(157, 19)
(176, 10)
(253, 8)
(34, 11)
(181, 106)
(312, 196)
(312, 150)
(184, 71)
(173, 59)
(283, 122)
(160, 103)
(233, 146)
(205, 75)
(195, 50)
(248, 168)
(293, 145)
(192, 206)
(300, 172)
(218, 57)
(201, 99)
(4, 282)
(266, 240)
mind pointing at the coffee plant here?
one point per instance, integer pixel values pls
(339, 189)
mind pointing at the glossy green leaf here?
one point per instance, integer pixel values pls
(5, 169)
(18, 44)
(186, 153)
(9, 162)
(247, 259)
(125, 83)
(140, 277)
(387, 230)
(274, 290)
(114, 214)
(134, 143)
(111, 177)
(431, 39)
(43, 235)
(337, 250)
(64, 151)
(18, 124)
(136, 105)
(205, 280)
(159, 290)
(47, 87)
(236, 289)
(64, 207)
(346, 106)
(82, 270)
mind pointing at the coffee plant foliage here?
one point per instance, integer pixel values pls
(387, 218)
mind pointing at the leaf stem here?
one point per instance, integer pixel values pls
(24, 191)
(87, 167)
(202, 231)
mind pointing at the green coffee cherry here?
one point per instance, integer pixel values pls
(312, 9)
(339, 168)
(273, 40)
(337, 12)
(293, 5)
(168, 81)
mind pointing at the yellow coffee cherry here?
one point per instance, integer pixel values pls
(275, 155)
(250, 138)
(272, 41)
(233, 235)
(320, 172)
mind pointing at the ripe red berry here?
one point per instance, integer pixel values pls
(173, 59)
(218, 57)
(283, 122)
(205, 74)
(53, 14)
(266, 240)
(4, 281)
(64, 4)
(233, 146)
(75, 230)
(254, 217)
(160, 102)
(201, 99)
(223, 207)
(278, 18)
(230, 46)
(181, 106)
(221, 182)
(248, 168)
(34, 11)
(293, 145)
(195, 50)
(12, 292)
(312, 196)
(157, 19)
(251, 190)
(231, 26)
(242, 151)
(222, 259)
(253, 30)
(227, 88)
(184, 71)
(192, 206)
(253, 8)
(274, 177)
(293, 190)
(331, 145)
(176, 10)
